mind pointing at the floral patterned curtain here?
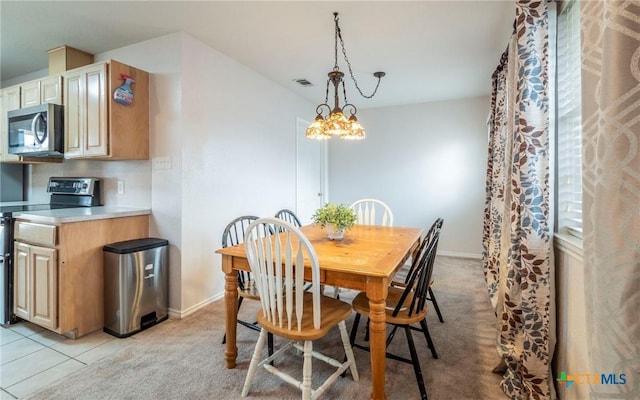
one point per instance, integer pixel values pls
(516, 235)
(611, 191)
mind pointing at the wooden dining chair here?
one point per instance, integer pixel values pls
(436, 227)
(372, 212)
(406, 306)
(289, 216)
(432, 234)
(278, 258)
(232, 235)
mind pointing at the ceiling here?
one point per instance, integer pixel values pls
(430, 50)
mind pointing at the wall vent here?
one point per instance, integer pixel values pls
(303, 82)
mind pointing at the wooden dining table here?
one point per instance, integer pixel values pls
(366, 259)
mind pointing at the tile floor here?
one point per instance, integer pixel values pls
(32, 357)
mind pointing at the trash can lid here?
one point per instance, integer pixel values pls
(135, 245)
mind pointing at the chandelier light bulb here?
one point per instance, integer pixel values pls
(356, 131)
(337, 124)
(317, 129)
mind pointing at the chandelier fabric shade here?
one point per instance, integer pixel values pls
(330, 122)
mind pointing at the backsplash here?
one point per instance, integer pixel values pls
(136, 176)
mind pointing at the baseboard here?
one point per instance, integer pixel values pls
(460, 255)
(179, 314)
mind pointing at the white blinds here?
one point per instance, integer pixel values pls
(569, 132)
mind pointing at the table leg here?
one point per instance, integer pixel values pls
(231, 310)
(377, 293)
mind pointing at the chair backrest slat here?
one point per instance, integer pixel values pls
(288, 216)
(434, 230)
(367, 211)
(233, 233)
(277, 252)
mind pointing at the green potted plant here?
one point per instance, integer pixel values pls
(337, 218)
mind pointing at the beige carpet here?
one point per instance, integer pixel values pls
(184, 359)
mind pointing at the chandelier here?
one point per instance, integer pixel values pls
(336, 123)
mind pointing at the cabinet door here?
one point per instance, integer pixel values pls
(10, 101)
(74, 112)
(85, 100)
(30, 95)
(96, 133)
(44, 285)
(12, 98)
(21, 277)
(51, 90)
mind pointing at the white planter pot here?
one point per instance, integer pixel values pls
(334, 233)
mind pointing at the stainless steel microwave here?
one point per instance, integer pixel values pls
(36, 131)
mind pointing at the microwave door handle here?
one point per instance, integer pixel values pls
(34, 124)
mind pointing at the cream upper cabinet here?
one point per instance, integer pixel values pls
(30, 95)
(41, 91)
(85, 112)
(11, 97)
(51, 90)
(10, 101)
(98, 127)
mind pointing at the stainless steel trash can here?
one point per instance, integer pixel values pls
(136, 285)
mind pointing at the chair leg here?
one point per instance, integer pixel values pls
(255, 360)
(425, 330)
(416, 362)
(354, 329)
(391, 334)
(348, 351)
(270, 345)
(432, 297)
(306, 371)
(366, 332)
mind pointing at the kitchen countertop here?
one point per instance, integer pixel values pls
(66, 215)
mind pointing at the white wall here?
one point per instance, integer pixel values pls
(425, 161)
(238, 157)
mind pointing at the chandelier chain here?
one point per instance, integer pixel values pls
(326, 94)
(344, 53)
(344, 93)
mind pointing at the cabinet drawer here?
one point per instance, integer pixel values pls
(35, 233)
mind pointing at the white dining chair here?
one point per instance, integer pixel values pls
(278, 253)
(372, 212)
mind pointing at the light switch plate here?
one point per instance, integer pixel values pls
(162, 163)
(120, 187)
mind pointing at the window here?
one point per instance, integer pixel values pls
(569, 123)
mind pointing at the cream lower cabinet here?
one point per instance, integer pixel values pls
(36, 284)
(59, 272)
